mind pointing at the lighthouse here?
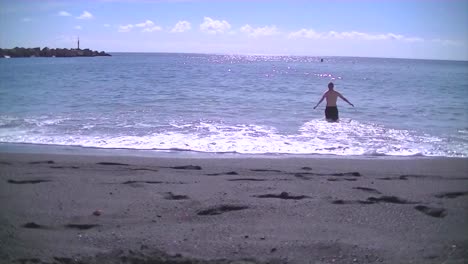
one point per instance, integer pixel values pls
(78, 42)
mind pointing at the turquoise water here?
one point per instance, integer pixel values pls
(241, 104)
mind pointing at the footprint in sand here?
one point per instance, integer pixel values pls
(42, 162)
(374, 200)
(265, 170)
(186, 167)
(27, 181)
(33, 225)
(451, 195)
(351, 202)
(64, 167)
(149, 182)
(366, 189)
(389, 199)
(223, 173)
(283, 195)
(112, 164)
(246, 179)
(341, 179)
(221, 209)
(81, 226)
(171, 196)
(431, 211)
(144, 169)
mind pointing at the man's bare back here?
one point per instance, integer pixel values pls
(332, 97)
(331, 111)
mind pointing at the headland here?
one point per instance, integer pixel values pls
(47, 52)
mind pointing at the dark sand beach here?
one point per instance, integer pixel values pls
(103, 209)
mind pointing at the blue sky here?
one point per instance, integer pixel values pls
(429, 29)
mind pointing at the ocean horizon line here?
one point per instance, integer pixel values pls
(281, 55)
(268, 55)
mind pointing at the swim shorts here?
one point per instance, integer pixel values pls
(331, 113)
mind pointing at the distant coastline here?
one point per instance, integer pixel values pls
(47, 52)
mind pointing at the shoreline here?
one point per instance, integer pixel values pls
(7, 147)
(113, 209)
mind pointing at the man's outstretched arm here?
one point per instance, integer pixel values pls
(346, 100)
(323, 97)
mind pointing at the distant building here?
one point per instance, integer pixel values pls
(78, 42)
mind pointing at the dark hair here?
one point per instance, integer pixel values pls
(331, 85)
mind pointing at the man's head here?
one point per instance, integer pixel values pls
(330, 85)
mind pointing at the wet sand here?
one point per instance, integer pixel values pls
(103, 209)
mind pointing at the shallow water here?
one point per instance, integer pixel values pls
(242, 104)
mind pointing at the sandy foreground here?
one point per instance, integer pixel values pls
(102, 209)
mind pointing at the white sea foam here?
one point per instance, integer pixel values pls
(44, 121)
(347, 137)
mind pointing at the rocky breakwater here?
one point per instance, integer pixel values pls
(46, 52)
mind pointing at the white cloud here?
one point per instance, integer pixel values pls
(106, 25)
(259, 31)
(85, 15)
(147, 26)
(312, 34)
(64, 13)
(181, 26)
(125, 28)
(305, 33)
(78, 28)
(211, 26)
(147, 23)
(26, 19)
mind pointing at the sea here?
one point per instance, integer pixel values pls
(242, 104)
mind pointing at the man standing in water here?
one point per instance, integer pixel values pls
(331, 111)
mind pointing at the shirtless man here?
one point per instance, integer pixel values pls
(331, 112)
